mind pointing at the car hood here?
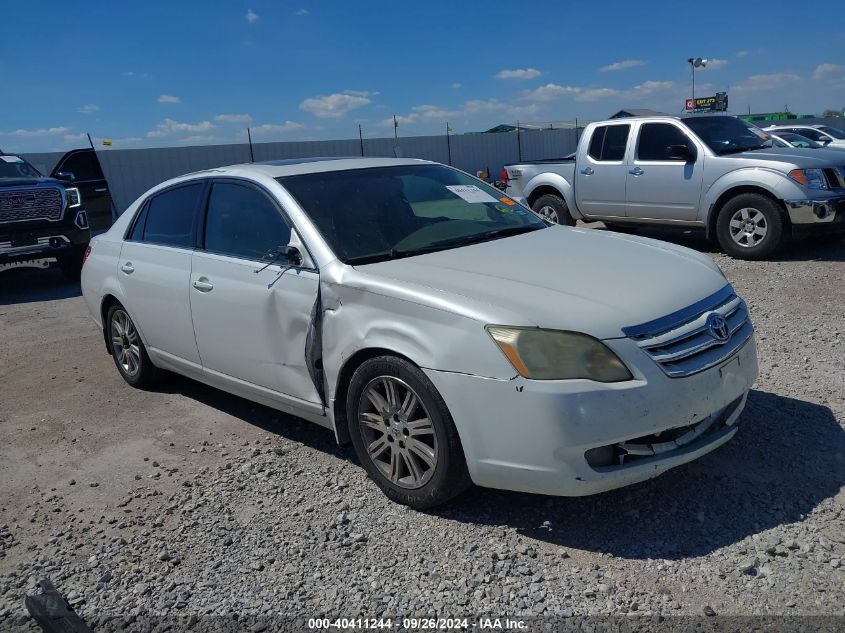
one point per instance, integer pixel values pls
(562, 278)
(787, 158)
(28, 182)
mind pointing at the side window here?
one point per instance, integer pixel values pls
(609, 142)
(655, 138)
(83, 165)
(137, 232)
(170, 216)
(810, 133)
(243, 222)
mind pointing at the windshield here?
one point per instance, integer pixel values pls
(727, 134)
(15, 168)
(832, 131)
(796, 140)
(375, 214)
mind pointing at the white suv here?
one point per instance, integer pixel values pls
(449, 333)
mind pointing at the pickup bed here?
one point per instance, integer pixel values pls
(716, 173)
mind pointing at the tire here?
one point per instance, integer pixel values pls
(750, 226)
(554, 209)
(128, 351)
(388, 400)
(71, 266)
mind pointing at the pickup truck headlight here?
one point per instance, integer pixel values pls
(809, 178)
(557, 355)
(74, 199)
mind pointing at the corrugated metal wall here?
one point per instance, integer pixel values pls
(130, 172)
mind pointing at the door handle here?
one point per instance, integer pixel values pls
(203, 285)
(128, 268)
(636, 171)
(101, 189)
(587, 171)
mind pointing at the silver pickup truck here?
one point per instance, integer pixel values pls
(712, 172)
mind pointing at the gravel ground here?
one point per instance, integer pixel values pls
(185, 500)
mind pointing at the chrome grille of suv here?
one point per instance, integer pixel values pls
(682, 343)
(18, 205)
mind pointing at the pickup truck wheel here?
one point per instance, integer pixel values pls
(750, 226)
(554, 209)
(403, 433)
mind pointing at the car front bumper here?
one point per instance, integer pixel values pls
(816, 211)
(532, 436)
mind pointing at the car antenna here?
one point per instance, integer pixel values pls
(249, 136)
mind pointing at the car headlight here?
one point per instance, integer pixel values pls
(74, 199)
(557, 355)
(809, 178)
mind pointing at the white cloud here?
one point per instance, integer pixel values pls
(88, 108)
(273, 128)
(714, 64)
(624, 64)
(552, 91)
(169, 99)
(301, 12)
(829, 71)
(198, 139)
(251, 16)
(337, 104)
(772, 81)
(472, 108)
(169, 126)
(233, 118)
(74, 138)
(456, 85)
(742, 53)
(49, 131)
(519, 73)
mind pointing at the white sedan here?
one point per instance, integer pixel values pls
(449, 333)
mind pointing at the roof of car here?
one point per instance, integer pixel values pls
(297, 166)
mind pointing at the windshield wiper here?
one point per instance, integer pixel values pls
(452, 242)
(737, 150)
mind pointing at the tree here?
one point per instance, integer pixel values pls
(832, 113)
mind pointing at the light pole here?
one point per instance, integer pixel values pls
(695, 62)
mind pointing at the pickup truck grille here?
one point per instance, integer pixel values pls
(684, 343)
(18, 205)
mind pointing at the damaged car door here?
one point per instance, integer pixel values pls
(251, 305)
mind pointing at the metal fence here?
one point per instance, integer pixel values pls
(130, 172)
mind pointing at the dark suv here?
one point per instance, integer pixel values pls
(40, 217)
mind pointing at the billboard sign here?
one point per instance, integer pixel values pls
(716, 103)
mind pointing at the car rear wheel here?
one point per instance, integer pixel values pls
(750, 226)
(554, 209)
(403, 433)
(127, 348)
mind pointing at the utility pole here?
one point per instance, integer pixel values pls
(518, 142)
(448, 144)
(695, 62)
(395, 128)
(249, 137)
(361, 139)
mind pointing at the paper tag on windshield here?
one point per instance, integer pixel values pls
(11, 159)
(471, 193)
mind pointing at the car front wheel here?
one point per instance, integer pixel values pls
(403, 433)
(554, 209)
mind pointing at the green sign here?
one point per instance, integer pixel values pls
(716, 103)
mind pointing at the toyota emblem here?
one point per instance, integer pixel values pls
(718, 327)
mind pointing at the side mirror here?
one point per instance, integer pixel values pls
(679, 152)
(66, 175)
(293, 255)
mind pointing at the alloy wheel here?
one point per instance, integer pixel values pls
(398, 433)
(548, 212)
(125, 343)
(748, 227)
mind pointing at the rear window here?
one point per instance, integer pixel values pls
(609, 142)
(170, 216)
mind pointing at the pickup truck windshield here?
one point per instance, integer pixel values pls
(376, 214)
(15, 168)
(727, 134)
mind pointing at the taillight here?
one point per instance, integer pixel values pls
(504, 174)
(87, 253)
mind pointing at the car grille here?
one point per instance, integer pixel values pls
(17, 205)
(683, 344)
(835, 177)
